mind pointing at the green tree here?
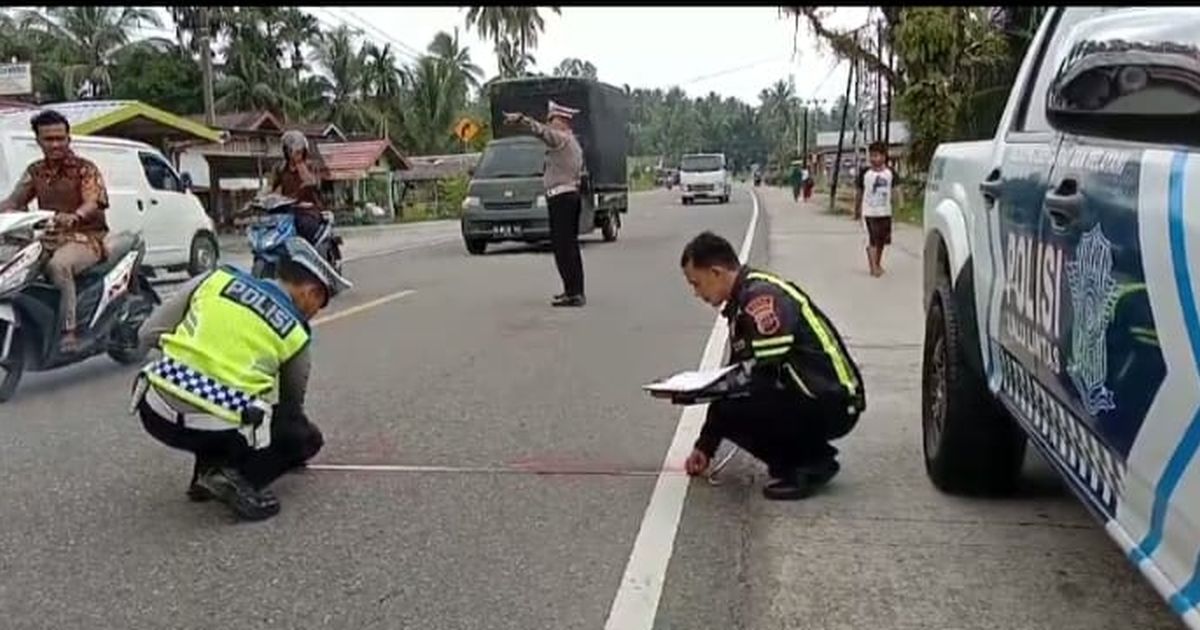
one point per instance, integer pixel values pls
(163, 77)
(572, 67)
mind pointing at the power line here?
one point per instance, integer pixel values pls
(719, 73)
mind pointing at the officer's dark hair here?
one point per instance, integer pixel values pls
(47, 118)
(295, 273)
(709, 250)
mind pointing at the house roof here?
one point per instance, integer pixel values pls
(318, 130)
(352, 160)
(244, 121)
(128, 119)
(430, 167)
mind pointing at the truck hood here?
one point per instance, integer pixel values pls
(517, 190)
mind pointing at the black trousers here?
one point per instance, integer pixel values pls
(307, 226)
(294, 440)
(564, 236)
(782, 429)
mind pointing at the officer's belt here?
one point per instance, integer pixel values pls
(561, 189)
(198, 421)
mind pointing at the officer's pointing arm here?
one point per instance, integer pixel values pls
(169, 314)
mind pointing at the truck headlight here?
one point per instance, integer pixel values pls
(541, 201)
(470, 202)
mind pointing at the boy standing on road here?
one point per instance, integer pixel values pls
(873, 204)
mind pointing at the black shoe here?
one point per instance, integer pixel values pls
(198, 493)
(821, 473)
(229, 487)
(792, 487)
(570, 300)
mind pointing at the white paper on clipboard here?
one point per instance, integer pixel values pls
(689, 381)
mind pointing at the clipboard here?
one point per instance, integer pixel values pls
(694, 387)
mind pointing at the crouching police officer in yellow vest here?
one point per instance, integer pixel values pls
(804, 388)
(231, 381)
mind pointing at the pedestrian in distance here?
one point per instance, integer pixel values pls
(231, 382)
(805, 390)
(873, 204)
(564, 167)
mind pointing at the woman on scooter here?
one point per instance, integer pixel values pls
(296, 179)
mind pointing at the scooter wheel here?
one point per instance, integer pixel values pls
(12, 368)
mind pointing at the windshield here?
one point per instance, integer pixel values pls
(508, 160)
(694, 163)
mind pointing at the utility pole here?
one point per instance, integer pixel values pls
(210, 114)
(837, 162)
(891, 89)
(879, 81)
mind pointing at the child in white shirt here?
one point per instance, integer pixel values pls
(874, 205)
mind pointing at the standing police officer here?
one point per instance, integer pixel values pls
(227, 339)
(564, 165)
(805, 390)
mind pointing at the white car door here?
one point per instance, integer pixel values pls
(167, 221)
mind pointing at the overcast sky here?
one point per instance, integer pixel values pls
(731, 51)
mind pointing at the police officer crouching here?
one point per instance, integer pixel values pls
(227, 339)
(804, 390)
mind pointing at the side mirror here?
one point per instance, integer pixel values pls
(186, 180)
(1131, 76)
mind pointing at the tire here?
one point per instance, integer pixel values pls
(204, 255)
(971, 445)
(611, 228)
(13, 367)
(476, 247)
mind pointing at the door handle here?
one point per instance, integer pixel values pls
(990, 187)
(141, 206)
(1064, 204)
(154, 202)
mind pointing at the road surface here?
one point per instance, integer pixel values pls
(488, 464)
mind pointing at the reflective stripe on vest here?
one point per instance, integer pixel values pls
(828, 344)
(228, 349)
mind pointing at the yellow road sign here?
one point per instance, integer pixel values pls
(466, 129)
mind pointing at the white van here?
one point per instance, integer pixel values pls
(145, 195)
(704, 175)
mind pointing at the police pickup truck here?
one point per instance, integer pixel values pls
(1062, 273)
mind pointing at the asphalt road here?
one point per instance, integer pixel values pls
(471, 370)
(489, 461)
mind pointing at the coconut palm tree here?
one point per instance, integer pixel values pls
(437, 96)
(571, 67)
(345, 66)
(86, 39)
(513, 62)
(447, 47)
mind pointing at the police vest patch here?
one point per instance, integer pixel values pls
(766, 319)
(278, 317)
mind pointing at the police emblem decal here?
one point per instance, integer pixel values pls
(1093, 299)
(762, 309)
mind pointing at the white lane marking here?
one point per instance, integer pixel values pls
(353, 310)
(636, 604)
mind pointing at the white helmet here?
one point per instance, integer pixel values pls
(294, 141)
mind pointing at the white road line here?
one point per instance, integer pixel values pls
(489, 470)
(353, 310)
(636, 604)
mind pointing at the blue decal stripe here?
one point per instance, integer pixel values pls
(1186, 449)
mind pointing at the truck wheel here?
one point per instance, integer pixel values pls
(12, 368)
(611, 227)
(971, 445)
(204, 255)
(476, 247)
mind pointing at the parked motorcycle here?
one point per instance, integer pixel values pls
(275, 224)
(114, 299)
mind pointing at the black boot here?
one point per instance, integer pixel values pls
(788, 486)
(195, 491)
(229, 487)
(570, 300)
(822, 472)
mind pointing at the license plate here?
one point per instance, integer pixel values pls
(506, 229)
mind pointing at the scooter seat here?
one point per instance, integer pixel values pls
(116, 247)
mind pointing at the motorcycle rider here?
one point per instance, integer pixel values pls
(73, 188)
(230, 385)
(296, 178)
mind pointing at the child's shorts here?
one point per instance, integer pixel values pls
(879, 231)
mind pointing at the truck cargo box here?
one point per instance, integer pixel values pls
(602, 125)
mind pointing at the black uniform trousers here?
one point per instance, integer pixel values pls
(564, 210)
(294, 440)
(783, 429)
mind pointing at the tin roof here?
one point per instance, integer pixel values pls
(352, 160)
(133, 119)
